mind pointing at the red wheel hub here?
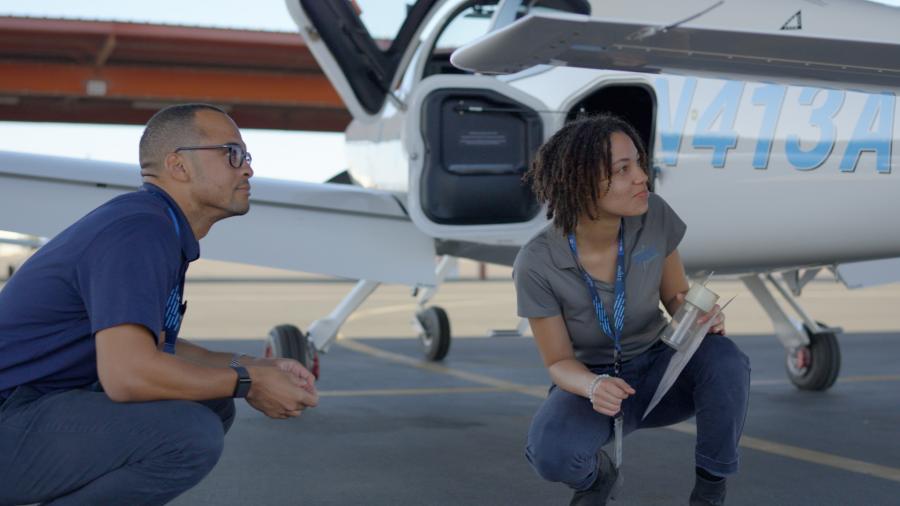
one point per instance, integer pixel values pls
(802, 359)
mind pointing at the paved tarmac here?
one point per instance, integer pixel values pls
(392, 429)
(395, 430)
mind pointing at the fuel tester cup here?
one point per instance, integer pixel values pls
(684, 327)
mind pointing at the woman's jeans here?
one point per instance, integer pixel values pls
(566, 432)
(78, 447)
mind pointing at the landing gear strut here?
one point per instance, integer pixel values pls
(813, 352)
(432, 323)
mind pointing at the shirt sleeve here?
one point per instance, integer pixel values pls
(125, 274)
(534, 296)
(673, 228)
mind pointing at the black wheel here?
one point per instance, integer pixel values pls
(287, 341)
(816, 366)
(436, 338)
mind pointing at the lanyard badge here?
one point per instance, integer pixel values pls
(618, 321)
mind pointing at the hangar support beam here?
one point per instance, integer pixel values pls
(113, 72)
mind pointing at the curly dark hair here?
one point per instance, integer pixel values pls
(567, 170)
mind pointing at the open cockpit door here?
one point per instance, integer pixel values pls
(360, 68)
(469, 144)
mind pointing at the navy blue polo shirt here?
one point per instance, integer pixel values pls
(123, 263)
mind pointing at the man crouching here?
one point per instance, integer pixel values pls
(100, 401)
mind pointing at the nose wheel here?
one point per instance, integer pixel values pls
(435, 333)
(815, 366)
(288, 341)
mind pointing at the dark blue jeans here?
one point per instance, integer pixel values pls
(78, 447)
(566, 432)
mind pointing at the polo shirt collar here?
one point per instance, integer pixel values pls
(189, 244)
(561, 253)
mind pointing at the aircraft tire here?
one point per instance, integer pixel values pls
(823, 362)
(436, 338)
(288, 341)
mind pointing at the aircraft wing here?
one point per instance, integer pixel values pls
(337, 230)
(616, 43)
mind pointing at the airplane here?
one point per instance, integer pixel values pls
(15, 249)
(773, 141)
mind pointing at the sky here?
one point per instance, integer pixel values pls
(275, 153)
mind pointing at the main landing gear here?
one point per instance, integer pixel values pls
(431, 323)
(434, 333)
(288, 341)
(815, 366)
(813, 355)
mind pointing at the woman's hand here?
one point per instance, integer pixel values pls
(718, 326)
(608, 394)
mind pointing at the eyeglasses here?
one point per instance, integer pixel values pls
(236, 154)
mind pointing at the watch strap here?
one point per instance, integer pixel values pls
(242, 386)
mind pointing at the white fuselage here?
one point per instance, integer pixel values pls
(765, 175)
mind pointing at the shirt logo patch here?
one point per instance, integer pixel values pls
(172, 322)
(646, 255)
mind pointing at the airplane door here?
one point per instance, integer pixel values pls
(469, 141)
(360, 68)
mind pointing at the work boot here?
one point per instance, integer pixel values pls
(602, 488)
(708, 493)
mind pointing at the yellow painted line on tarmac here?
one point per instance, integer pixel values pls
(396, 308)
(440, 369)
(410, 307)
(410, 391)
(815, 457)
(867, 379)
(771, 447)
(843, 379)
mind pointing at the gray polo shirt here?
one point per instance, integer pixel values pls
(548, 283)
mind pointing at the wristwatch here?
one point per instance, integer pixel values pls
(243, 382)
(236, 359)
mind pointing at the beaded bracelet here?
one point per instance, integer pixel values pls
(596, 381)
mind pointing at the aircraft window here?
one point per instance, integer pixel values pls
(474, 20)
(571, 6)
(470, 22)
(383, 18)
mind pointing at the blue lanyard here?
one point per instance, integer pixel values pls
(618, 306)
(175, 308)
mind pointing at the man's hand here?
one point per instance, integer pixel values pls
(292, 367)
(608, 394)
(295, 368)
(281, 394)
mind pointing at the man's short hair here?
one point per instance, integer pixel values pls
(168, 128)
